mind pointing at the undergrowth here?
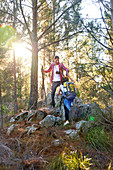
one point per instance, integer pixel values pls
(99, 138)
(69, 160)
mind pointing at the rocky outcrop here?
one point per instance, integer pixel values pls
(36, 115)
(31, 129)
(21, 116)
(29, 115)
(83, 114)
(72, 133)
(50, 121)
(80, 110)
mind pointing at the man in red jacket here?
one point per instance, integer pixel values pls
(56, 67)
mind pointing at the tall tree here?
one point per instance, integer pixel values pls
(15, 86)
(34, 67)
(2, 56)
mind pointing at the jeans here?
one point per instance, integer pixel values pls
(67, 107)
(53, 89)
(66, 113)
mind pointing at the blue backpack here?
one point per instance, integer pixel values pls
(69, 90)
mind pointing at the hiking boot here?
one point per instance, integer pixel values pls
(67, 122)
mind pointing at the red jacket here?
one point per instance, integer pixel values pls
(61, 67)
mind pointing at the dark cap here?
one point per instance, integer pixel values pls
(56, 57)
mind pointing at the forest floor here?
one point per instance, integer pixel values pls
(37, 151)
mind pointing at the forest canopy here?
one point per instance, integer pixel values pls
(33, 32)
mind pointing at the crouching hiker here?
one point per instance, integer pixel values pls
(68, 91)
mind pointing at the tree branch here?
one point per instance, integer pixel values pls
(92, 34)
(98, 83)
(6, 12)
(107, 82)
(57, 20)
(106, 26)
(29, 32)
(59, 40)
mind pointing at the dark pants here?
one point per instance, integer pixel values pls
(67, 105)
(53, 89)
(66, 113)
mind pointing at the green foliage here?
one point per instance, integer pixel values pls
(2, 52)
(5, 109)
(57, 164)
(70, 160)
(7, 34)
(78, 93)
(99, 139)
(75, 160)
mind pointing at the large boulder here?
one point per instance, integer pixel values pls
(80, 111)
(48, 121)
(83, 126)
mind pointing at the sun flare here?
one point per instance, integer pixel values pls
(21, 50)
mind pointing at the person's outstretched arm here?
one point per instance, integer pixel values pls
(70, 78)
(48, 70)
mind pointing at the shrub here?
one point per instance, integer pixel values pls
(75, 160)
(56, 164)
(99, 138)
(5, 109)
(70, 160)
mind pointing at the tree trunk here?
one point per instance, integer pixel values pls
(15, 88)
(54, 50)
(34, 67)
(1, 108)
(43, 93)
(111, 3)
